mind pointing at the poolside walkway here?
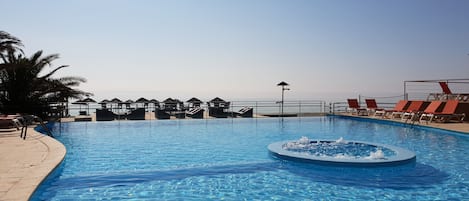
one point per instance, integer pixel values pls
(25, 163)
(459, 127)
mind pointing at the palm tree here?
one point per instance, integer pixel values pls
(9, 43)
(26, 89)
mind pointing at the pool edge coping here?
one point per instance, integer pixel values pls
(32, 177)
(400, 123)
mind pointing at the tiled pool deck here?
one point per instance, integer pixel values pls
(25, 163)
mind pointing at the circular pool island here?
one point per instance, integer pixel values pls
(341, 152)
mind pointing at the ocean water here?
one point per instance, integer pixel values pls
(227, 159)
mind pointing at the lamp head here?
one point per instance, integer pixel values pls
(282, 84)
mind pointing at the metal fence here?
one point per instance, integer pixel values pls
(260, 108)
(341, 107)
(422, 89)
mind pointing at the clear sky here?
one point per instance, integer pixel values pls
(241, 49)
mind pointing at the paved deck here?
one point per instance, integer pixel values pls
(456, 126)
(25, 163)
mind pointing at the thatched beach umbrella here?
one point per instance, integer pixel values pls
(170, 104)
(127, 103)
(104, 103)
(116, 101)
(156, 103)
(144, 101)
(86, 102)
(195, 102)
(169, 100)
(217, 101)
(80, 103)
(180, 103)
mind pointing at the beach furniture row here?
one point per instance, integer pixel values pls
(217, 108)
(414, 110)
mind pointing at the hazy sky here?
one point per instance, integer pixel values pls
(242, 49)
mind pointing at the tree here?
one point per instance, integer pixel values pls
(9, 43)
(26, 88)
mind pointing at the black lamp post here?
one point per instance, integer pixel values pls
(283, 84)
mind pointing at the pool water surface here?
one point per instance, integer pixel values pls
(228, 159)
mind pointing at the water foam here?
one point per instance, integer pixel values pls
(341, 141)
(378, 154)
(339, 149)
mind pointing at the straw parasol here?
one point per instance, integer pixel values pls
(127, 103)
(195, 102)
(144, 101)
(116, 101)
(104, 102)
(217, 101)
(170, 104)
(155, 102)
(86, 102)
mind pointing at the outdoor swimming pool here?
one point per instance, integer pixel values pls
(228, 159)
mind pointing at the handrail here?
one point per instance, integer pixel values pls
(49, 132)
(28, 119)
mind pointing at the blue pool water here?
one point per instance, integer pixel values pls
(227, 159)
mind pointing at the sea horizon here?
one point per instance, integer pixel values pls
(288, 96)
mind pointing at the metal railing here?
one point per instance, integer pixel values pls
(28, 120)
(260, 108)
(341, 107)
(299, 108)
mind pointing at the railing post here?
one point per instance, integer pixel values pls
(299, 105)
(257, 111)
(324, 106)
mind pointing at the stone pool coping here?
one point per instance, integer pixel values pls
(460, 128)
(24, 164)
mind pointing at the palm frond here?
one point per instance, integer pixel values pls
(72, 78)
(23, 86)
(9, 42)
(53, 71)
